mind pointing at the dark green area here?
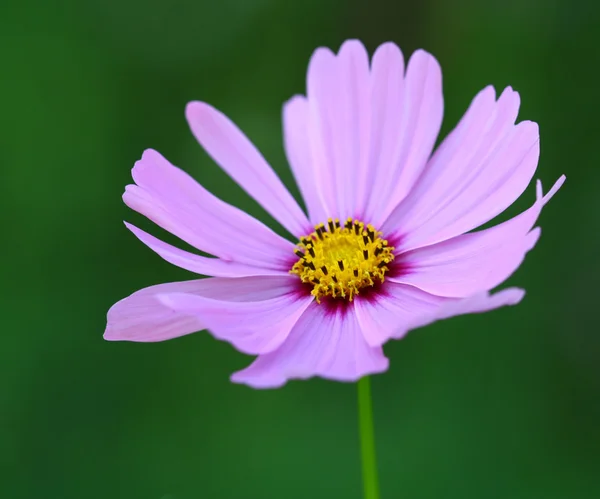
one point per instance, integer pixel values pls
(502, 405)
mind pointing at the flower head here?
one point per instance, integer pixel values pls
(386, 245)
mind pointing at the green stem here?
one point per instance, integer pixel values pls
(367, 439)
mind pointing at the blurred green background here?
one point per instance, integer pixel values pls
(503, 405)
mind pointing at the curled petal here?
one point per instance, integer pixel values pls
(324, 342)
(478, 261)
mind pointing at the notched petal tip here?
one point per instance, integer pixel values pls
(511, 93)
(149, 158)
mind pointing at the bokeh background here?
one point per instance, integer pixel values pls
(503, 405)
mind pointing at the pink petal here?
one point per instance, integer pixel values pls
(406, 118)
(256, 324)
(403, 308)
(476, 304)
(141, 317)
(172, 199)
(233, 152)
(399, 307)
(479, 170)
(478, 261)
(201, 264)
(338, 125)
(310, 179)
(325, 342)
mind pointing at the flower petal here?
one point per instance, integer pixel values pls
(297, 148)
(338, 124)
(233, 152)
(398, 306)
(163, 312)
(478, 261)
(173, 200)
(256, 324)
(476, 304)
(201, 264)
(406, 117)
(403, 308)
(141, 317)
(325, 342)
(479, 170)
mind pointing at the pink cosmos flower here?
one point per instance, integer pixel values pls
(385, 246)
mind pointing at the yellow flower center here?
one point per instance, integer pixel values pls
(339, 261)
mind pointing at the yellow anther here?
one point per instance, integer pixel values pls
(339, 261)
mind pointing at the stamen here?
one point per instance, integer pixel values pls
(338, 261)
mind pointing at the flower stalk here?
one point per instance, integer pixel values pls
(367, 439)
